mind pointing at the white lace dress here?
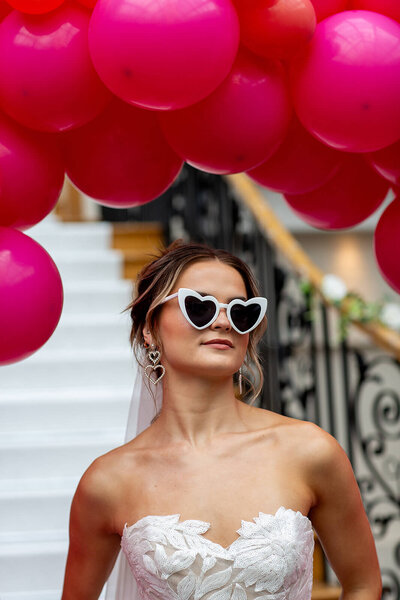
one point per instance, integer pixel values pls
(272, 559)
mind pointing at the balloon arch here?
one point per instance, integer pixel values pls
(303, 95)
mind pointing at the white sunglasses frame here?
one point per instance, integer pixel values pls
(182, 294)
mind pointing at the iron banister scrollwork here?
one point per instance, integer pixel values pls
(309, 373)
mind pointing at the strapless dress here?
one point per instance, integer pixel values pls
(272, 559)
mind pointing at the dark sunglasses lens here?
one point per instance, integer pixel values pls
(244, 317)
(200, 312)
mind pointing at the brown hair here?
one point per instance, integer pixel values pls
(156, 280)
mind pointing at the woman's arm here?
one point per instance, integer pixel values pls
(339, 518)
(93, 546)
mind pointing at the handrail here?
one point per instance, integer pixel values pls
(280, 238)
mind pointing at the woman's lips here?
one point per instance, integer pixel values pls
(220, 344)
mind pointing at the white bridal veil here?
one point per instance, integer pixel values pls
(121, 584)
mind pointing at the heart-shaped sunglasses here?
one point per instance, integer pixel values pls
(201, 311)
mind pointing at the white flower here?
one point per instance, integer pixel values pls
(390, 315)
(333, 288)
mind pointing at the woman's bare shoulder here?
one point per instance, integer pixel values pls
(310, 441)
(107, 474)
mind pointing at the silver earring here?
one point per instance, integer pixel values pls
(240, 381)
(154, 358)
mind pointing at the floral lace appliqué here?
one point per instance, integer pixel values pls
(272, 559)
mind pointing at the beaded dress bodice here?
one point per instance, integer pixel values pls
(272, 559)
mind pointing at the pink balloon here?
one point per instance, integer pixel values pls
(387, 244)
(237, 126)
(387, 162)
(31, 174)
(166, 54)
(346, 85)
(48, 81)
(121, 158)
(348, 198)
(275, 28)
(31, 296)
(390, 8)
(326, 8)
(300, 164)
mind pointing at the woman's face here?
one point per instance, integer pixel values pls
(186, 348)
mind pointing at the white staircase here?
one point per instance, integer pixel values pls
(61, 408)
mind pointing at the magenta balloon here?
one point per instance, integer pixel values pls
(237, 126)
(163, 54)
(387, 244)
(48, 81)
(390, 8)
(31, 296)
(326, 8)
(121, 158)
(300, 164)
(348, 198)
(346, 85)
(31, 174)
(387, 162)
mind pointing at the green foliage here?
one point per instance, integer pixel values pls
(351, 308)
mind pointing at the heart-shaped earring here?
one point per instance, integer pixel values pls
(154, 358)
(153, 368)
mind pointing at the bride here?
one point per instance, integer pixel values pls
(216, 499)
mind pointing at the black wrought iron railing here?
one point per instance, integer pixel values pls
(351, 389)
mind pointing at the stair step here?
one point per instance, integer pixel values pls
(56, 236)
(146, 237)
(86, 331)
(40, 595)
(32, 485)
(323, 591)
(100, 367)
(89, 265)
(32, 562)
(69, 408)
(46, 454)
(134, 261)
(101, 296)
(36, 504)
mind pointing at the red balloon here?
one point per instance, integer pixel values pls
(35, 7)
(5, 8)
(387, 244)
(300, 164)
(48, 81)
(390, 8)
(387, 162)
(88, 3)
(275, 28)
(31, 296)
(347, 199)
(325, 8)
(121, 158)
(31, 174)
(237, 126)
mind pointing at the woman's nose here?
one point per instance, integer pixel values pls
(221, 321)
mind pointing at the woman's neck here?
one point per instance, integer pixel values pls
(196, 411)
